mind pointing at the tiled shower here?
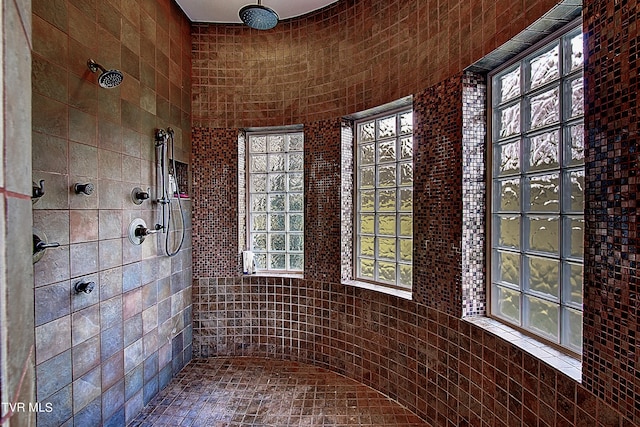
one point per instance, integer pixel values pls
(100, 357)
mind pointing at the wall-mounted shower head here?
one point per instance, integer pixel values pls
(258, 16)
(107, 79)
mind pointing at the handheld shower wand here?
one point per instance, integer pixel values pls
(165, 140)
(161, 141)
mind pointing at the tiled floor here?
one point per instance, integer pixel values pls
(235, 392)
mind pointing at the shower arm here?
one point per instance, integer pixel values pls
(94, 66)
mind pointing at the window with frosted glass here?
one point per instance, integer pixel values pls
(537, 192)
(276, 200)
(384, 194)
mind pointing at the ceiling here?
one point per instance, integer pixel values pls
(226, 11)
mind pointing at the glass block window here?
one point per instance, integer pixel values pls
(384, 200)
(276, 200)
(537, 214)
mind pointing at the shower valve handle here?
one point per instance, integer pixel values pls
(38, 190)
(142, 195)
(83, 286)
(41, 246)
(142, 231)
(138, 196)
(84, 188)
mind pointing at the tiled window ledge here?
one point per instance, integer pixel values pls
(276, 274)
(570, 366)
(400, 293)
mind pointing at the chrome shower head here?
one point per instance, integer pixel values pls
(258, 16)
(107, 79)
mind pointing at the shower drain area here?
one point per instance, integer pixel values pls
(229, 392)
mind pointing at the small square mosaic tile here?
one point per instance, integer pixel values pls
(262, 392)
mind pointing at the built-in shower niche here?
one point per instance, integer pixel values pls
(181, 176)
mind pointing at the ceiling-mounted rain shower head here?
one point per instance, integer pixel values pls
(107, 79)
(258, 16)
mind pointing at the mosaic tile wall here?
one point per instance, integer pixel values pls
(449, 372)
(215, 203)
(611, 299)
(345, 58)
(474, 131)
(437, 203)
(242, 192)
(323, 205)
(347, 183)
(419, 352)
(100, 357)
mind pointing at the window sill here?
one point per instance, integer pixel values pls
(568, 365)
(276, 274)
(400, 293)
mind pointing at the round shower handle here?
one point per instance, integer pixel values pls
(138, 195)
(83, 286)
(87, 189)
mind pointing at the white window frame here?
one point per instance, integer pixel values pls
(375, 282)
(287, 192)
(567, 308)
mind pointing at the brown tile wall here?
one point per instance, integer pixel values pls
(611, 299)
(322, 204)
(421, 353)
(448, 371)
(348, 57)
(215, 203)
(16, 272)
(437, 205)
(101, 356)
(215, 194)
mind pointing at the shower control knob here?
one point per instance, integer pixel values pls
(83, 286)
(138, 196)
(84, 188)
(38, 190)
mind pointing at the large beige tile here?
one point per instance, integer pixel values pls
(83, 160)
(50, 116)
(53, 338)
(83, 225)
(56, 191)
(49, 154)
(82, 127)
(49, 41)
(53, 11)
